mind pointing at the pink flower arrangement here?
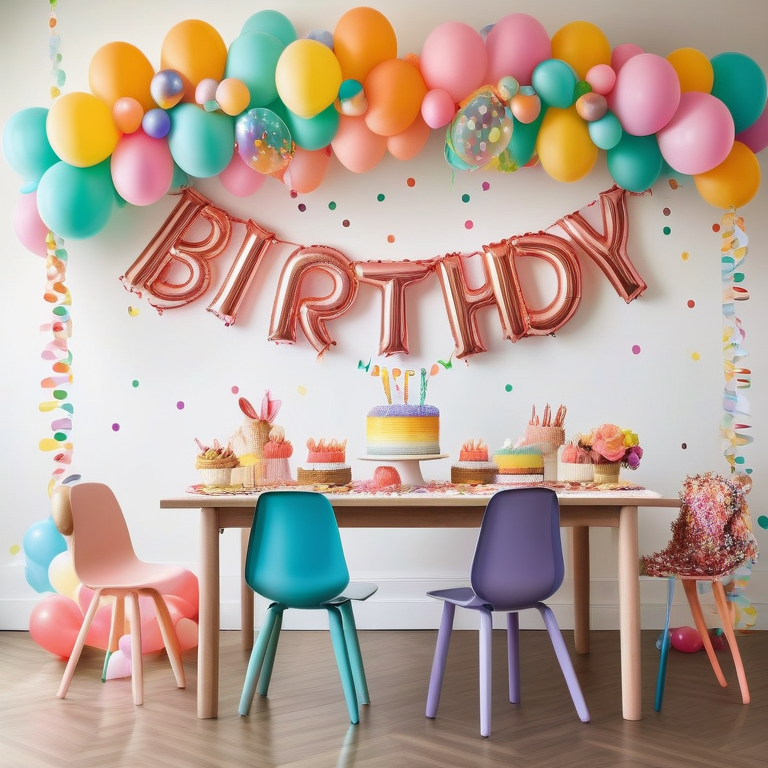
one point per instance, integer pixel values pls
(610, 443)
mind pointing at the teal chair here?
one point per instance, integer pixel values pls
(296, 560)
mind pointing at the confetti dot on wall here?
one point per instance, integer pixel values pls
(133, 311)
(762, 521)
(508, 388)
(411, 182)
(635, 349)
(15, 549)
(465, 198)
(486, 186)
(666, 211)
(294, 194)
(691, 303)
(331, 206)
(684, 255)
(468, 224)
(684, 446)
(380, 197)
(235, 390)
(673, 184)
(695, 356)
(135, 383)
(345, 223)
(302, 207)
(390, 238)
(115, 427)
(715, 227)
(666, 230)
(180, 405)
(301, 389)
(738, 277)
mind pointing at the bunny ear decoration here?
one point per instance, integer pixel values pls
(269, 407)
(247, 409)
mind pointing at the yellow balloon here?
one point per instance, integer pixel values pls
(565, 150)
(81, 130)
(582, 45)
(732, 183)
(62, 575)
(694, 70)
(121, 69)
(307, 77)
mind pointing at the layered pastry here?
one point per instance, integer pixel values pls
(404, 430)
(574, 464)
(519, 463)
(276, 453)
(326, 464)
(473, 466)
(215, 463)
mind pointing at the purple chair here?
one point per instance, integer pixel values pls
(518, 562)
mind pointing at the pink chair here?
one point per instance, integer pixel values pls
(104, 561)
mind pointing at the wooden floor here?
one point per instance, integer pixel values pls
(304, 724)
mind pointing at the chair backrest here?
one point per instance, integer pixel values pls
(295, 555)
(518, 558)
(100, 539)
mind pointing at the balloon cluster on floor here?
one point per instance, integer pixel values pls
(274, 104)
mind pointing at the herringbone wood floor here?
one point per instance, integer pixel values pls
(303, 723)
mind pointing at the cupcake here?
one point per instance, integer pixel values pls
(574, 464)
(473, 466)
(326, 464)
(215, 464)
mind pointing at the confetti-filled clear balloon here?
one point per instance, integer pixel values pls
(482, 129)
(263, 140)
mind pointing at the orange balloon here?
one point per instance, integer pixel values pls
(356, 146)
(362, 39)
(411, 141)
(395, 90)
(581, 44)
(732, 183)
(195, 50)
(306, 171)
(694, 70)
(121, 69)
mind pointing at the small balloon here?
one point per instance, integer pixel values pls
(263, 140)
(322, 36)
(507, 87)
(686, 639)
(232, 96)
(206, 91)
(591, 106)
(352, 100)
(127, 113)
(156, 123)
(167, 88)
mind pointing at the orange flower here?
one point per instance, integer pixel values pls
(608, 441)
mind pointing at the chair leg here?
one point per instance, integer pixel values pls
(438, 662)
(513, 655)
(116, 631)
(725, 617)
(137, 664)
(355, 656)
(257, 659)
(689, 585)
(269, 657)
(485, 654)
(170, 638)
(666, 641)
(565, 661)
(77, 649)
(342, 660)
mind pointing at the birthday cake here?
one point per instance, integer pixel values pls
(473, 466)
(326, 464)
(276, 453)
(519, 463)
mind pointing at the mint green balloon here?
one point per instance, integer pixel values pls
(555, 82)
(606, 132)
(26, 146)
(635, 162)
(523, 142)
(273, 23)
(313, 132)
(741, 85)
(76, 203)
(201, 142)
(252, 58)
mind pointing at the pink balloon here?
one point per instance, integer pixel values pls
(306, 171)
(54, 624)
(621, 54)
(646, 94)
(602, 78)
(28, 225)
(411, 141)
(239, 178)
(454, 58)
(187, 632)
(179, 608)
(119, 665)
(699, 136)
(437, 108)
(356, 146)
(516, 45)
(756, 136)
(686, 639)
(98, 632)
(142, 168)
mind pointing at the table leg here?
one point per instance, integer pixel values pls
(208, 643)
(629, 614)
(580, 554)
(246, 596)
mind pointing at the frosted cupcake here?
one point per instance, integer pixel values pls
(473, 466)
(574, 464)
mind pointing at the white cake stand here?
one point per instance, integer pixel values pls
(408, 467)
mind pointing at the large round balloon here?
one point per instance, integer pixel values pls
(312, 133)
(563, 145)
(201, 142)
(81, 129)
(356, 146)
(395, 90)
(741, 85)
(253, 58)
(25, 144)
(76, 203)
(635, 162)
(581, 44)
(694, 69)
(142, 168)
(307, 169)
(120, 70)
(482, 129)
(363, 38)
(411, 141)
(307, 77)
(732, 183)
(54, 624)
(239, 178)
(272, 23)
(263, 140)
(28, 225)
(515, 45)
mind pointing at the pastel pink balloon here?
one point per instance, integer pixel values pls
(756, 136)
(187, 632)
(686, 639)
(119, 665)
(142, 168)
(699, 136)
(454, 58)
(621, 54)
(54, 624)
(602, 78)
(646, 94)
(239, 178)
(516, 44)
(438, 108)
(28, 225)
(411, 141)
(98, 632)
(356, 146)
(305, 173)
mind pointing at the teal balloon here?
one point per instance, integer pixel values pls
(555, 82)
(42, 542)
(26, 146)
(741, 85)
(606, 132)
(635, 162)
(37, 577)
(313, 132)
(452, 158)
(273, 23)
(201, 142)
(523, 142)
(180, 178)
(252, 58)
(76, 203)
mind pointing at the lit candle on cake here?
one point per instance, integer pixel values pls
(385, 383)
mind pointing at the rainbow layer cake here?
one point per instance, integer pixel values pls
(519, 463)
(326, 464)
(473, 466)
(401, 429)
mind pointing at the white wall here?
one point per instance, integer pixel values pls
(188, 355)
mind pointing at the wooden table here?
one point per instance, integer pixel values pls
(579, 510)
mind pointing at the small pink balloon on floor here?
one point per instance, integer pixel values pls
(686, 639)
